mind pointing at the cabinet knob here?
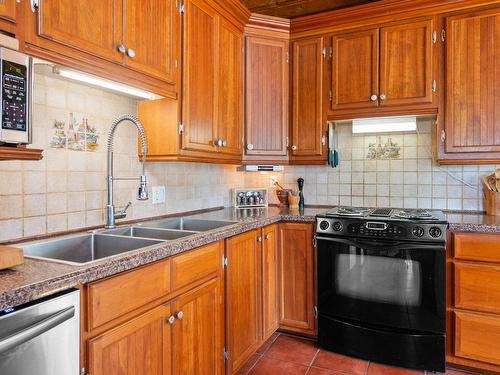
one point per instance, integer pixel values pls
(259, 239)
(218, 142)
(250, 147)
(179, 315)
(373, 98)
(121, 48)
(131, 53)
(382, 97)
(268, 236)
(171, 319)
(294, 147)
(224, 143)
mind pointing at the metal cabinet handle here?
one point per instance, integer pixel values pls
(131, 53)
(224, 143)
(382, 97)
(218, 142)
(37, 329)
(259, 239)
(250, 147)
(294, 147)
(171, 320)
(121, 48)
(268, 236)
(179, 315)
(373, 98)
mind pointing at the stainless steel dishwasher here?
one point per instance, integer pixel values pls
(42, 337)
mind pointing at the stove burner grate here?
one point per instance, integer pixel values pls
(381, 212)
(415, 215)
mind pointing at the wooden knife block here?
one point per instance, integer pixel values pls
(10, 257)
(491, 201)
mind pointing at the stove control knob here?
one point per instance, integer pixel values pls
(324, 225)
(418, 231)
(337, 226)
(435, 232)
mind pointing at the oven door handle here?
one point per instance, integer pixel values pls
(376, 244)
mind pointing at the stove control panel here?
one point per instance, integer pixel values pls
(387, 229)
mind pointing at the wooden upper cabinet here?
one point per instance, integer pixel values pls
(8, 10)
(140, 346)
(267, 77)
(150, 34)
(296, 278)
(472, 99)
(406, 64)
(200, 100)
(77, 24)
(355, 70)
(308, 137)
(198, 338)
(230, 89)
(270, 302)
(243, 298)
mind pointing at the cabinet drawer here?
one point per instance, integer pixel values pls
(195, 265)
(477, 287)
(477, 246)
(477, 337)
(118, 295)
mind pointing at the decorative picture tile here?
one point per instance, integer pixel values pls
(384, 150)
(76, 140)
(58, 138)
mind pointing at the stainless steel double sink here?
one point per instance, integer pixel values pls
(85, 248)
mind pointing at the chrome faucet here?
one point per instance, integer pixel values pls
(142, 193)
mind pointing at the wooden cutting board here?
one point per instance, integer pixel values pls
(10, 257)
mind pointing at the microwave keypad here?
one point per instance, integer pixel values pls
(14, 81)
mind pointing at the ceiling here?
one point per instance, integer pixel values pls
(297, 8)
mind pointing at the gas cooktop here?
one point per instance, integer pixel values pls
(386, 213)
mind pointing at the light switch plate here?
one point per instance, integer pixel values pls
(158, 194)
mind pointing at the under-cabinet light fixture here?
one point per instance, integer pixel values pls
(101, 82)
(385, 124)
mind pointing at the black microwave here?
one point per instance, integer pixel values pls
(15, 92)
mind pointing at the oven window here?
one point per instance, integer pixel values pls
(379, 279)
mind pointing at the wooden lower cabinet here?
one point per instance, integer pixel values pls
(198, 331)
(270, 306)
(296, 278)
(243, 298)
(473, 327)
(139, 346)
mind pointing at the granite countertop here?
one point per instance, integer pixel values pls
(39, 278)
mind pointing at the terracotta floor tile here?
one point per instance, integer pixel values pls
(337, 362)
(268, 343)
(452, 371)
(271, 366)
(248, 364)
(377, 369)
(322, 371)
(293, 349)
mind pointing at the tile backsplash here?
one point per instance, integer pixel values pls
(66, 190)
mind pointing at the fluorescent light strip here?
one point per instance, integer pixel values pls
(104, 83)
(384, 124)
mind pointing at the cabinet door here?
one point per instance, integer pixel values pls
(355, 70)
(8, 10)
(198, 331)
(266, 96)
(270, 307)
(96, 30)
(151, 31)
(296, 278)
(472, 109)
(406, 68)
(243, 298)
(307, 125)
(140, 346)
(200, 69)
(230, 90)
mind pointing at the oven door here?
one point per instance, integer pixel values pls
(383, 283)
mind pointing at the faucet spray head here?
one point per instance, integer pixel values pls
(142, 194)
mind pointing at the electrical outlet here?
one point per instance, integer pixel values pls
(158, 194)
(272, 180)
